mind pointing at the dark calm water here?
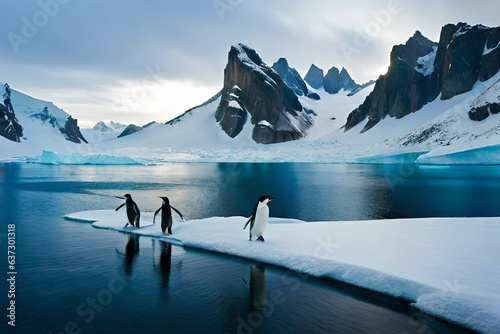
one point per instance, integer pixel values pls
(72, 278)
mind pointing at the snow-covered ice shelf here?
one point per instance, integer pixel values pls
(447, 267)
(54, 158)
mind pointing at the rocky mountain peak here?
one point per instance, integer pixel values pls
(332, 82)
(336, 80)
(252, 88)
(421, 70)
(290, 76)
(465, 55)
(415, 47)
(314, 77)
(9, 125)
(110, 126)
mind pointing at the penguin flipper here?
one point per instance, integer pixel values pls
(119, 207)
(248, 221)
(154, 216)
(178, 212)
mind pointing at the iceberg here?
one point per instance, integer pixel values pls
(486, 155)
(54, 158)
(443, 266)
(397, 158)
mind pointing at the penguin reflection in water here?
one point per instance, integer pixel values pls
(258, 287)
(259, 218)
(166, 215)
(133, 213)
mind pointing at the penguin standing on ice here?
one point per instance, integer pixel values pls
(259, 219)
(166, 215)
(133, 213)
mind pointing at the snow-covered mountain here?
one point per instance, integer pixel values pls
(334, 80)
(109, 126)
(254, 94)
(44, 126)
(104, 130)
(422, 71)
(438, 103)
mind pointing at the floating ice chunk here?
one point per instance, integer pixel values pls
(54, 158)
(487, 155)
(445, 266)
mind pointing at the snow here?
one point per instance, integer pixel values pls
(440, 129)
(439, 124)
(490, 95)
(443, 266)
(488, 50)
(265, 123)
(252, 65)
(234, 104)
(103, 130)
(426, 63)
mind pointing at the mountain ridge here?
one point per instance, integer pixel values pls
(454, 65)
(430, 111)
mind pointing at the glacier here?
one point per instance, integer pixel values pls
(53, 158)
(411, 259)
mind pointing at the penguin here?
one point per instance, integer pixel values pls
(166, 215)
(259, 218)
(133, 213)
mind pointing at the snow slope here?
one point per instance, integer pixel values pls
(443, 266)
(42, 141)
(440, 133)
(103, 130)
(37, 135)
(441, 130)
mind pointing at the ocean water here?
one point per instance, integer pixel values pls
(72, 278)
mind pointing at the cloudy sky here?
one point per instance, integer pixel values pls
(138, 61)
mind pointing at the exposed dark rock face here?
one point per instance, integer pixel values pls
(314, 77)
(130, 129)
(460, 61)
(334, 81)
(290, 76)
(494, 108)
(402, 90)
(482, 112)
(72, 131)
(9, 125)
(313, 96)
(479, 113)
(421, 70)
(46, 116)
(361, 87)
(490, 61)
(253, 88)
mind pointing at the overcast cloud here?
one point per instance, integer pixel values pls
(137, 61)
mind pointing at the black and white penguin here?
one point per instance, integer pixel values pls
(259, 219)
(133, 213)
(166, 215)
